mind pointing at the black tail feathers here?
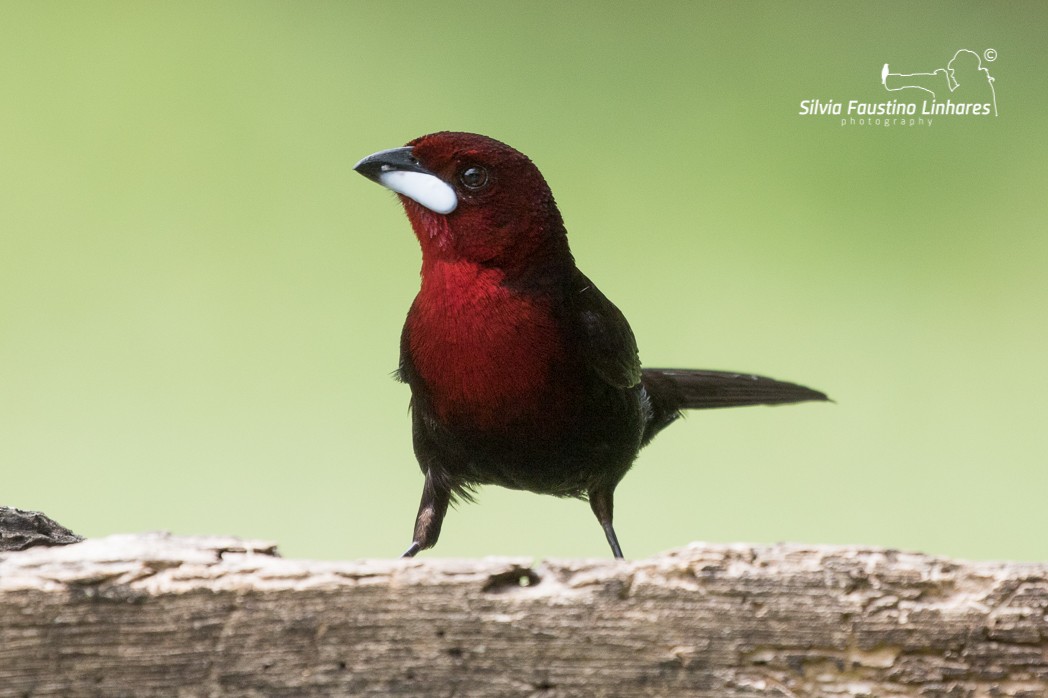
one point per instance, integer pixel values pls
(671, 390)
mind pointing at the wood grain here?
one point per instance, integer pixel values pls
(157, 615)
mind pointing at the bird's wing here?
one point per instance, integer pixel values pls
(607, 340)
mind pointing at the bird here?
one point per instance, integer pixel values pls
(522, 373)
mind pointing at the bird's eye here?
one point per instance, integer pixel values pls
(474, 177)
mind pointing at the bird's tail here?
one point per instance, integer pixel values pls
(671, 390)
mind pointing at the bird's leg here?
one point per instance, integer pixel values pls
(602, 503)
(431, 511)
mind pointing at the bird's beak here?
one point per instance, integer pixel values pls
(399, 170)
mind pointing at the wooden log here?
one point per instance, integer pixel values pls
(158, 615)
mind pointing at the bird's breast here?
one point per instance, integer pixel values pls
(489, 357)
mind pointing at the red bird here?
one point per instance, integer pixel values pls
(522, 373)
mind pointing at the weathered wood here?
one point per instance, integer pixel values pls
(21, 529)
(159, 615)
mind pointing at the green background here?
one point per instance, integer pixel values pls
(200, 301)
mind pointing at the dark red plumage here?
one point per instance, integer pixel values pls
(522, 373)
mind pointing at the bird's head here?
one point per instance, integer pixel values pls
(472, 198)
